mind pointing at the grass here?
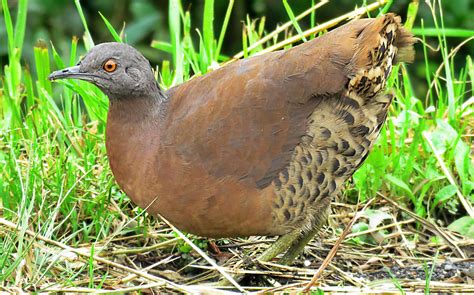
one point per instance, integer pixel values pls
(56, 183)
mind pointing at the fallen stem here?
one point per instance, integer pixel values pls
(334, 249)
(200, 252)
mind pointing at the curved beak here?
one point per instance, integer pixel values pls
(70, 73)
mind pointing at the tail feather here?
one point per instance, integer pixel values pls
(380, 45)
(404, 43)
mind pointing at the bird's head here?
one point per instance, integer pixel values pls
(118, 69)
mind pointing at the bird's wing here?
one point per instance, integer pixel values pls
(244, 120)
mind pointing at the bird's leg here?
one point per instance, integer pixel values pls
(298, 246)
(281, 245)
(293, 242)
(305, 237)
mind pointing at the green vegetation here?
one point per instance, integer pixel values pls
(56, 183)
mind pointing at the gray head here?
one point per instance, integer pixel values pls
(118, 69)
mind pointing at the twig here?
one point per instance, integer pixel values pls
(397, 224)
(400, 231)
(280, 29)
(324, 26)
(347, 277)
(143, 249)
(334, 249)
(440, 68)
(166, 260)
(96, 291)
(431, 226)
(200, 252)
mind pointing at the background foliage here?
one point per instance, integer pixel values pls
(147, 20)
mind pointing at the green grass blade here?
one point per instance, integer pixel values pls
(386, 8)
(13, 70)
(9, 29)
(20, 23)
(88, 42)
(290, 13)
(411, 14)
(111, 29)
(224, 29)
(73, 55)
(448, 32)
(208, 29)
(175, 35)
(163, 46)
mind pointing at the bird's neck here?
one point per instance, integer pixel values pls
(133, 132)
(144, 110)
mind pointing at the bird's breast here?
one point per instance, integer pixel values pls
(157, 178)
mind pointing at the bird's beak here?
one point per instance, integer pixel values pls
(70, 73)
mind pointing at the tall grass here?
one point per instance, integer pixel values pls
(56, 181)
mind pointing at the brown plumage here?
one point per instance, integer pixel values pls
(257, 147)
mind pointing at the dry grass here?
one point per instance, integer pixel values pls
(149, 262)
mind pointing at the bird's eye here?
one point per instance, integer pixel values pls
(110, 65)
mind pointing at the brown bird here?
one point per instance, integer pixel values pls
(257, 147)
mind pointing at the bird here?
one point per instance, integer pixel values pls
(258, 147)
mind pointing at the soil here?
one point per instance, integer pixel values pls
(441, 272)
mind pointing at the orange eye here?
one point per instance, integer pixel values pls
(110, 66)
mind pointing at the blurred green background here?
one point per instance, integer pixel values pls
(146, 20)
(57, 21)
